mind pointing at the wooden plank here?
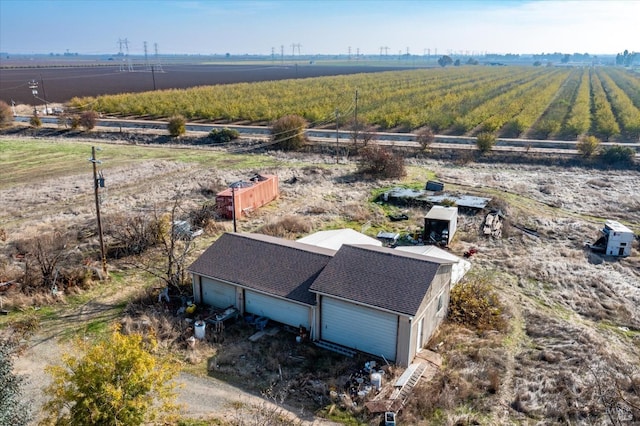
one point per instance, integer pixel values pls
(255, 337)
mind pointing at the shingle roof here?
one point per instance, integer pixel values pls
(260, 262)
(378, 276)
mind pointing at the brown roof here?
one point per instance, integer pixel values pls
(378, 276)
(268, 264)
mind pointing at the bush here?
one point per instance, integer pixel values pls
(588, 146)
(88, 120)
(486, 141)
(118, 380)
(617, 154)
(288, 132)
(381, 162)
(475, 303)
(177, 126)
(425, 137)
(223, 135)
(6, 115)
(35, 121)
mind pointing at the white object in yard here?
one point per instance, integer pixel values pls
(440, 225)
(619, 238)
(376, 380)
(164, 294)
(199, 329)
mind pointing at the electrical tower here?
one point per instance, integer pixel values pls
(158, 65)
(349, 52)
(146, 57)
(126, 59)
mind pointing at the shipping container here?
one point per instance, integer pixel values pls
(247, 196)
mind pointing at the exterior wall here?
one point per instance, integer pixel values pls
(619, 243)
(408, 330)
(197, 288)
(247, 199)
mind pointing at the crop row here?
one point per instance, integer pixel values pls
(537, 101)
(626, 113)
(629, 83)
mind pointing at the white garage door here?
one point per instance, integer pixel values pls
(359, 327)
(290, 313)
(218, 294)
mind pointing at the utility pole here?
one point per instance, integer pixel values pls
(233, 206)
(44, 97)
(153, 76)
(97, 184)
(355, 121)
(337, 138)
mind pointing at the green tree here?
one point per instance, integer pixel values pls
(177, 126)
(445, 60)
(288, 132)
(485, 141)
(6, 115)
(13, 410)
(88, 120)
(588, 146)
(119, 380)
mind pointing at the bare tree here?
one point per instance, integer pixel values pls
(425, 137)
(361, 134)
(167, 260)
(47, 251)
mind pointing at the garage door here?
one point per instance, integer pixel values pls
(280, 310)
(218, 294)
(359, 327)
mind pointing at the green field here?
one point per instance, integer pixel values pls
(531, 102)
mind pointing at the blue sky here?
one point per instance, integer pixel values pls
(319, 27)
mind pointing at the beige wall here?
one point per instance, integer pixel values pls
(408, 330)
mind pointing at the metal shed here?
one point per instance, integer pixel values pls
(440, 225)
(619, 238)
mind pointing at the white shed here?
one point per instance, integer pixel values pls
(440, 225)
(619, 238)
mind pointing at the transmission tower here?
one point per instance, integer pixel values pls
(282, 53)
(126, 58)
(349, 52)
(146, 57)
(158, 65)
(357, 53)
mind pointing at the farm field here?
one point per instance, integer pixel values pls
(530, 102)
(63, 83)
(573, 339)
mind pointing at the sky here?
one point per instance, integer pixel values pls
(319, 27)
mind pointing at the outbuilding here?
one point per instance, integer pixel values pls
(619, 239)
(440, 225)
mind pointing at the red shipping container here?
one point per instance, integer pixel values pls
(249, 196)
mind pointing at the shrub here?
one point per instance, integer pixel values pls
(288, 132)
(588, 146)
(486, 141)
(288, 225)
(118, 380)
(177, 126)
(425, 137)
(74, 122)
(6, 115)
(617, 154)
(35, 121)
(475, 303)
(88, 120)
(223, 135)
(381, 162)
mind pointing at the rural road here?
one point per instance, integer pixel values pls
(344, 137)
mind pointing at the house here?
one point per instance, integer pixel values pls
(381, 301)
(260, 275)
(373, 299)
(244, 197)
(440, 225)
